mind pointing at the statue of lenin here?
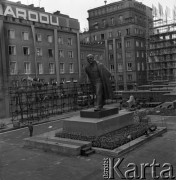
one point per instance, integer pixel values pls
(99, 77)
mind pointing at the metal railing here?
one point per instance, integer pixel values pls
(40, 101)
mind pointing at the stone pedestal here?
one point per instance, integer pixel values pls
(87, 126)
(90, 113)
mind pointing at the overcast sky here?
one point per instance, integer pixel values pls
(78, 8)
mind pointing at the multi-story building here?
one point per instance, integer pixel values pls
(162, 52)
(122, 27)
(36, 44)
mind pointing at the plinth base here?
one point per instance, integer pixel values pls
(97, 126)
(90, 113)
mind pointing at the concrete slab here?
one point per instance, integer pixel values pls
(48, 142)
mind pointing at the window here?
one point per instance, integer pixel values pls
(38, 37)
(27, 67)
(137, 43)
(95, 25)
(25, 36)
(136, 31)
(50, 38)
(129, 66)
(112, 78)
(70, 54)
(62, 69)
(119, 45)
(111, 68)
(102, 36)
(128, 31)
(61, 53)
(111, 56)
(71, 70)
(128, 44)
(87, 39)
(40, 68)
(142, 54)
(51, 68)
(119, 55)
(60, 40)
(167, 37)
(142, 44)
(39, 51)
(112, 21)
(26, 51)
(104, 22)
(173, 36)
(138, 66)
(120, 19)
(119, 67)
(119, 33)
(13, 68)
(94, 37)
(11, 34)
(143, 68)
(110, 34)
(128, 54)
(50, 52)
(129, 77)
(120, 77)
(70, 42)
(110, 46)
(137, 54)
(12, 50)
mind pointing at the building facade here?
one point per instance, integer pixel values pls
(122, 27)
(36, 44)
(162, 52)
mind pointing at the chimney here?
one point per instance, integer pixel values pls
(31, 5)
(56, 13)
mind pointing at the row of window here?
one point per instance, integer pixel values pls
(140, 66)
(119, 20)
(129, 77)
(111, 34)
(25, 37)
(127, 55)
(127, 45)
(39, 52)
(27, 68)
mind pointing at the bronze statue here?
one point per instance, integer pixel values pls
(99, 77)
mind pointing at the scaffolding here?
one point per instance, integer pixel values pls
(161, 61)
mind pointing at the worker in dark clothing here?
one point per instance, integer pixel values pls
(30, 127)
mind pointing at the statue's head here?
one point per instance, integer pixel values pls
(90, 58)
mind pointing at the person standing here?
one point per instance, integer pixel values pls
(99, 77)
(30, 127)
